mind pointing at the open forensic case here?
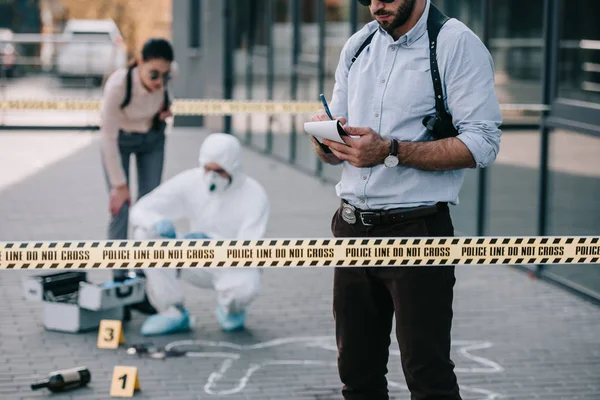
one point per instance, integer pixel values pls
(72, 304)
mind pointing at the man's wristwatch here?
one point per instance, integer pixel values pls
(392, 159)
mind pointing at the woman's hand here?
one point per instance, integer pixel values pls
(118, 197)
(164, 115)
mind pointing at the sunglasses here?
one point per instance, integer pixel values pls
(367, 3)
(154, 75)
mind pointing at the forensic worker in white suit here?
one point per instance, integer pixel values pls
(219, 201)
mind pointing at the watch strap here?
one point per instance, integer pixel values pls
(394, 148)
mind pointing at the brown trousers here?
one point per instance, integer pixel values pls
(365, 299)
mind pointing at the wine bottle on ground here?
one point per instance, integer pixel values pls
(63, 380)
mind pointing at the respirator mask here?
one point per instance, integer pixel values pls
(215, 183)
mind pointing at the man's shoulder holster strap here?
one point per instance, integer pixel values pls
(362, 47)
(435, 21)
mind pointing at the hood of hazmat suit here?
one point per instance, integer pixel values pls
(236, 209)
(226, 151)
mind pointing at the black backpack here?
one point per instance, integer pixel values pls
(439, 125)
(156, 122)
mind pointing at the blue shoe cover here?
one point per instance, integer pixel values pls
(196, 235)
(230, 322)
(161, 324)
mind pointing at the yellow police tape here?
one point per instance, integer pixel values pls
(179, 107)
(203, 106)
(347, 252)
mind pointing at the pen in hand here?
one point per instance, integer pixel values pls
(326, 106)
(325, 148)
(342, 133)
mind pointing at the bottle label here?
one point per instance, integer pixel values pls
(70, 375)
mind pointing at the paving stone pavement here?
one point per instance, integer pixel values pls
(513, 337)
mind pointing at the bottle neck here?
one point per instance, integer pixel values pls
(39, 385)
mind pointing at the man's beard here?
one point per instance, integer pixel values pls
(400, 17)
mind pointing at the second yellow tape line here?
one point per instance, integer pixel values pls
(179, 107)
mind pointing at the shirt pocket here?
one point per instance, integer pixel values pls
(415, 94)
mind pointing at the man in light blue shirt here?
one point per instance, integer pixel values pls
(397, 180)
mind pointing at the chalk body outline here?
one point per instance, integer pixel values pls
(485, 366)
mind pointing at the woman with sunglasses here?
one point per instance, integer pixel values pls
(135, 104)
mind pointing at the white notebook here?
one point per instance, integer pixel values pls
(331, 130)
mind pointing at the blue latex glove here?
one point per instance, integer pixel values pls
(165, 229)
(111, 283)
(196, 235)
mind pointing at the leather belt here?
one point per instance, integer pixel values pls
(350, 214)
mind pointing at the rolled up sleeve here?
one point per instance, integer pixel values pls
(471, 97)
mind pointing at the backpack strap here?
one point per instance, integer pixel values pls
(166, 99)
(127, 88)
(157, 124)
(435, 22)
(128, 84)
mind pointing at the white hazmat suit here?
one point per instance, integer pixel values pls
(236, 209)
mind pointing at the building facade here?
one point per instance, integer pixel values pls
(547, 60)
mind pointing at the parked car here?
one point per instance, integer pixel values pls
(8, 54)
(91, 48)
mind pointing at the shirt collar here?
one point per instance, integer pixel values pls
(417, 31)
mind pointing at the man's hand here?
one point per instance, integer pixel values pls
(322, 116)
(328, 158)
(367, 150)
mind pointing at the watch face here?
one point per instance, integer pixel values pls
(391, 161)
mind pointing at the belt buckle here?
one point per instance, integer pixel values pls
(349, 213)
(362, 217)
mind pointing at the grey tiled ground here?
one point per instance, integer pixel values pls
(514, 338)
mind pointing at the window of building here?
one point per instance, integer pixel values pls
(195, 24)
(579, 51)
